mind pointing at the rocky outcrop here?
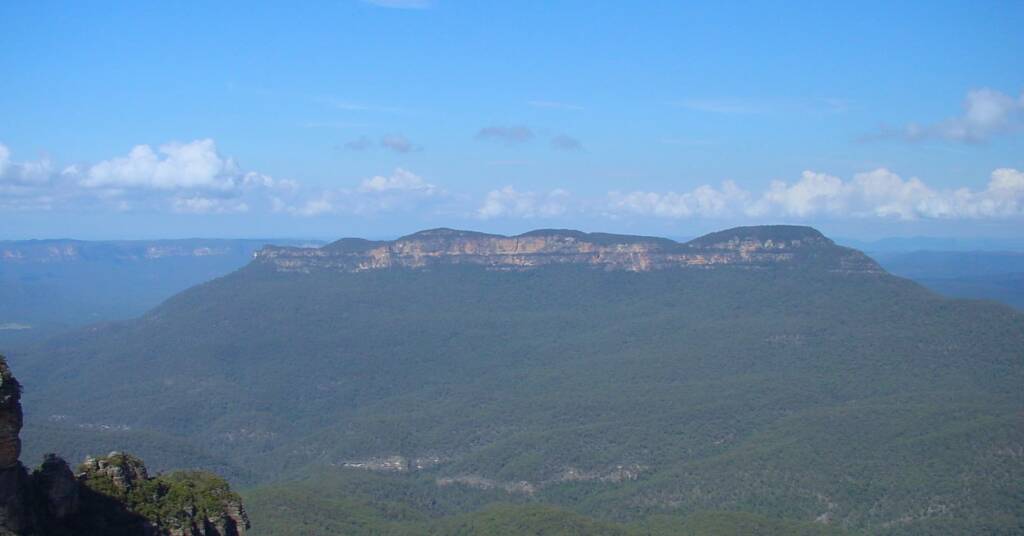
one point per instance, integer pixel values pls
(124, 471)
(10, 418)
(751, 247)
(184, 503)
(58, 487)
(16, 512)
(111, 495)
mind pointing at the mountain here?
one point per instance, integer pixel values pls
(758, 371)
(748, 247)
(50, 285)
(110, 496)
(925, 243)
(991, 275)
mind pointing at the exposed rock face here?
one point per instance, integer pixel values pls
(16, 515)
(10, 418)
(232, 522)
(123, 470)
(178, 504)
(189, 503)
(59, 488)
(112, 495)
(743, 246)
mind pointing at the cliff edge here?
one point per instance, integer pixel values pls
(748, 247)
(111, 495)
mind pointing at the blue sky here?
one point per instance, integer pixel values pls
(152, 119)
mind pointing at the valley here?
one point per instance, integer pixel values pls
(620, 378)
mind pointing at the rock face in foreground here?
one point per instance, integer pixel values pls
(742, 246)
(112, 495)
(10, 418)
(184, 503)
(59, 489)
(16, 512)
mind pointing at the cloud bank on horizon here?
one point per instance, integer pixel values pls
(195, 177)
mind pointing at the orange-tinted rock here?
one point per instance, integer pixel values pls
(742, 246)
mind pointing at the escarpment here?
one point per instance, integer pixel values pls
(10, 418)
(16, 513)
(750, 247)
(111, 495)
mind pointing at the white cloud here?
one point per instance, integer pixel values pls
(29, 173)
(15, 200)
(703, 201)
(986, 113)
(208, 205)
(399, 181)
(312, 207)
(876, 194)
(5, 159)
(26, 186)
(402, 190)
(194, 178)
(508, 202)
(181, 177)
(173, 166)
(812, 194)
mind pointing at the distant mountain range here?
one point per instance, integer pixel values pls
(991, 275)
(50, 285)
(926, 243)
(759, 371)
(748, 247)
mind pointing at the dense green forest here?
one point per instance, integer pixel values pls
(774, 394)
(354, 502)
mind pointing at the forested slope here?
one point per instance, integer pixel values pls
(801, 384)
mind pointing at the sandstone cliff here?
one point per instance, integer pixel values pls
(16, 512)
(750, 247)
(111, 495)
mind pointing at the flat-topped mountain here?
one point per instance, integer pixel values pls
(761, 370)
(741, 246)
